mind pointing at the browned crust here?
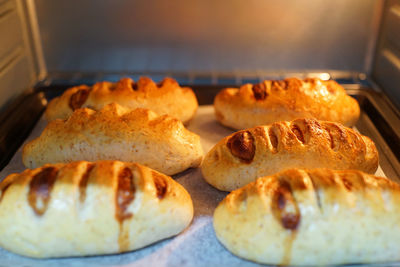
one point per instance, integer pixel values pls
(288, 99)
(63, 209)
(283, 186)
(145, 93)
(102, 133)
(300, 143)
(101, 173)
(312, 217)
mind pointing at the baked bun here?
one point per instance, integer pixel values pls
(286, 100)
(166, 97)
(312, 217)
(116, 133)
(85, 208)
(303, 143)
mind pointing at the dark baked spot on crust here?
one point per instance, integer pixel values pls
(84, 181)
(134, 86)
(299, 134)
(337, 135)
(309, 80)
(287, 84)
(161, 83)
(354, 181)
(113, 86)
(216, 155)
(79, 98)
(273, 138)
(312, 125)
(241, 145)
(284, 206)
(160, 184)
(331, 141)
(281, 200)
(316, 191)
(291, 221)
(125, 194)
(40, 188)
(259, 91)
(347, 184)
(299, 184)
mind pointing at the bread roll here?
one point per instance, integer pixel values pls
(166, 97)
(273, 101)
(85, 208)
(116, 133)
(303, 143)
(312, 217)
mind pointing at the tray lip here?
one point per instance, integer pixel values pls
(381, 102)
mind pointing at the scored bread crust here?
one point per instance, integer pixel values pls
(312, 217)
(117, 133)
(289, 99)
(84, 208)
(164, 98)
(242, 157)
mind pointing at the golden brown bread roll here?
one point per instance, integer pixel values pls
(161, 98)
(289, 99)
(116, 133)
(242, 157)
(85, 208)
(312, 217)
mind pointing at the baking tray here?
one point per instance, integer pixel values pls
(197, 245)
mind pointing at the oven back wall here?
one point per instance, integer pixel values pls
(207, 35)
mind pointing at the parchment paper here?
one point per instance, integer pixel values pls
(196, 246)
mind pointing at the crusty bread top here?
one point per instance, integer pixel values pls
(287, 190)
(303, 143)
(128, 135)
(287, 99)
(312, 217)
(125, 179)
(295, 136)
(118, 120)
(144, 93)
(89, 208)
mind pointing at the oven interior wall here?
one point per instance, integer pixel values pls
(207, 36)
(386, 68)
(20, 63)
